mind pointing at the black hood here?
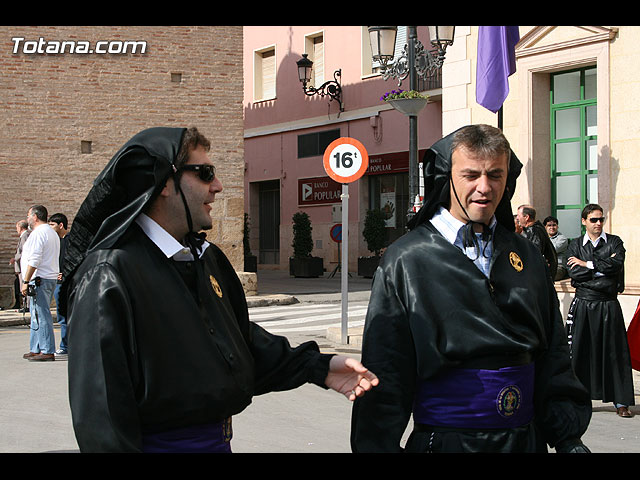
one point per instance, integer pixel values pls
(135, 175)
(436, 165)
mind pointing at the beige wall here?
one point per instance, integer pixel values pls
(541, 51)
(52, 102)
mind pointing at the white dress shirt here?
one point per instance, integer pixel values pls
(451, 229)
(42, 252)
(586, 239)
(164, 241)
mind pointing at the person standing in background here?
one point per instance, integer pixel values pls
(59, 223)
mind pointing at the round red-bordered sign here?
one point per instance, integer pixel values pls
(345, 160)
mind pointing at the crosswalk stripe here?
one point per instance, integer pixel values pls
(305, 318)
(315, 318)
(357, 323)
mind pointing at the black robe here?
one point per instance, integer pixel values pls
(145, 356)
(432, 309)
(599, 348)
(537, 234)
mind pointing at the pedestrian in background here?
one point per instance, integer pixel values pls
(59, 223)
(534, 231)
(40, 269)
(22, 228)
(560, 243)
(595, 324)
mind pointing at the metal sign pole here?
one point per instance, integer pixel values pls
(344, 274)
(345, 160)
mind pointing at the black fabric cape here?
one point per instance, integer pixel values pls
(431, 309)
(537, 234)
(599, 347)
(146, 356)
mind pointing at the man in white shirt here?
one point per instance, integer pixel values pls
(40, 268)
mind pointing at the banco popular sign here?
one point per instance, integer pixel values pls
(318, 191)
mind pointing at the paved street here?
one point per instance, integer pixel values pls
(35, 414)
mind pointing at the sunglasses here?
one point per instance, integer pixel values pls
(205, 171)
(597, 219)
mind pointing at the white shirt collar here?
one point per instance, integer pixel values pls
(449, 226)
(586, 238)
(165, 242)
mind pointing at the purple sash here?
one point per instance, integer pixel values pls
(209, 438)
(476, 399)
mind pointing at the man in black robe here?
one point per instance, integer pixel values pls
(463, 328)
(161, 350)
(595, 324)
(535, 232)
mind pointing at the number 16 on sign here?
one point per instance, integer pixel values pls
(345, 161)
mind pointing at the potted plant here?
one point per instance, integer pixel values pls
(409, 102)
(250, 260)
(374, 234)
(302, 264)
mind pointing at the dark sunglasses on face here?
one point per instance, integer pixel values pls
(597, 219)
(205, 171)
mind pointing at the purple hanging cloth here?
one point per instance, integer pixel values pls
(496, 62)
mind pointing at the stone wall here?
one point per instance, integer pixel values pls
(66, 108)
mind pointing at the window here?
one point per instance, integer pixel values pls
(390, 193)
(574, 152)
(314, 48)
(264, 66)
(313, 144)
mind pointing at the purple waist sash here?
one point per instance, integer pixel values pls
(476, 398)
(209, 438)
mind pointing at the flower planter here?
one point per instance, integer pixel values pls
(250, 263)
(408, 106)
(306, 267)
(367, 266)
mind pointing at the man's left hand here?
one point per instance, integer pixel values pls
(349, 377)
(574, 261)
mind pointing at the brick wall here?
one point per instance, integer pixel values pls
(52, 103)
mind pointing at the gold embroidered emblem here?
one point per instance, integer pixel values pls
(509, 400)
(227, 430)
(516, 262)
(216, 286)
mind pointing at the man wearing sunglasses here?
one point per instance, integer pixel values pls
(595, 325)
(161, 350)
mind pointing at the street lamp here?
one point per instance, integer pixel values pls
(414, 61)
(331, 88)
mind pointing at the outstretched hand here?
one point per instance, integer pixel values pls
(349, 377)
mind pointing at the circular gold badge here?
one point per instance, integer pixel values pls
(516, 261)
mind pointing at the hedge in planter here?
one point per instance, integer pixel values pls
(250, 260)
(302, 264)
(374, 234)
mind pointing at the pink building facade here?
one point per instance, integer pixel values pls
(286, 133)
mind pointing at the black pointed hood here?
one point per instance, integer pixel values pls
(135, 175)
(436, 166)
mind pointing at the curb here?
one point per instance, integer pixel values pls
(9, 318)
(267, 300)
(354, 336)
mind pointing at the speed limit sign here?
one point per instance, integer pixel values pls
(345, 160)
